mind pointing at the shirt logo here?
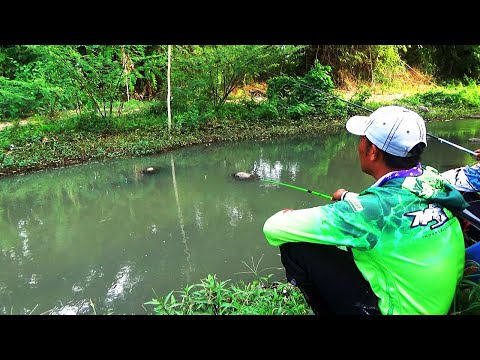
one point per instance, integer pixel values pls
(355, 204)
(423, 217)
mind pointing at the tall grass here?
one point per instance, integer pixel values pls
(214, 297)
(261, 297)
(467, 298)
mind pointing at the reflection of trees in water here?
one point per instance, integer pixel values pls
(280, 160)
(60, 199)
(181, 222)
(43, 222)
(450, 130)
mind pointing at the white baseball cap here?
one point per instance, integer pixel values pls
(393, 129)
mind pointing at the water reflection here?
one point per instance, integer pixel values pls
(98, 237)
(189, 269)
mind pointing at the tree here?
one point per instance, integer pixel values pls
(208, 74)
(169, 91)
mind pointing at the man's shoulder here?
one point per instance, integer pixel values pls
(393, 186)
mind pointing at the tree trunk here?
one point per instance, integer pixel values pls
(169, 91)
(125, 69)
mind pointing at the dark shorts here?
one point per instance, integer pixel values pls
(329, 279)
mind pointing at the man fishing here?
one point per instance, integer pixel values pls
(394, 248)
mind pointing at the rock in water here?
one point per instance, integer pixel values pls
(241, 175)
(474, 140)
(149, 171)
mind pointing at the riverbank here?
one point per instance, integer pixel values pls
(76, 147)
(40, 150)
(41, 143)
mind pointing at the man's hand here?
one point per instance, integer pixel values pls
(337, 195)
(477, 152)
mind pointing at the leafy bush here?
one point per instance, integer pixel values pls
(311, 94)
(158, 108)
(267, 111)
(300, 110)
(232, 111)
(213, 297)
(455, 97)
(16, 98)
(361, 97)
(91, 122)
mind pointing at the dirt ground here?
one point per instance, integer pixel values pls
(5, 124)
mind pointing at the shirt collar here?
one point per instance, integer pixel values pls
(415, 171)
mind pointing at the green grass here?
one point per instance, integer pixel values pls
(262, 297)
(467, 298)
(214, 297)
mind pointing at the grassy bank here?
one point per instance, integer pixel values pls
(33, 147)
(39, 143)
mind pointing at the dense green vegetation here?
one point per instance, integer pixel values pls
(214, 297)
(73, 103)
(261, 297)
(97, 83)
(98, 80)
(291, 104)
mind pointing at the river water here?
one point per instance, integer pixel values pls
(103, 237)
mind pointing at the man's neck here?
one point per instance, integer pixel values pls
(381, 170)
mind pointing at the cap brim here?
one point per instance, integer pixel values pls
(357, 125)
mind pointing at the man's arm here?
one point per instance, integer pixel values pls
(333, 224)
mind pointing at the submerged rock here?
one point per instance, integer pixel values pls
(241, 175)
(149, 171)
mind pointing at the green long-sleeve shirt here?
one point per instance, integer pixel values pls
(406, 243)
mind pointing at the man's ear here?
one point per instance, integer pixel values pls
(374, 152)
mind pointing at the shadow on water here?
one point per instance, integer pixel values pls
(101, 237)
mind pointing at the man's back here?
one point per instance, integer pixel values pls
(405, 243)
(401, 233)
(418, 258)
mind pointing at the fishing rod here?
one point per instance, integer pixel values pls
(370, 110)
(469, 216)
(298, 188)
(452, 144)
